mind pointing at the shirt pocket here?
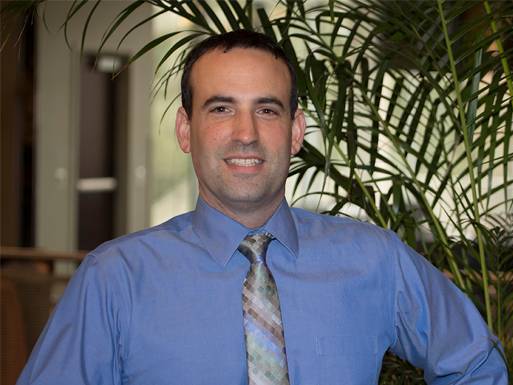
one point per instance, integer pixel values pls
(348, 360)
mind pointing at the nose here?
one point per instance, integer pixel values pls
(245, 129)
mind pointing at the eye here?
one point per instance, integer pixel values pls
(267, 111)
(219, 109)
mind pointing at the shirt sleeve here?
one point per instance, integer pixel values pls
(439, 329)
(80, 342)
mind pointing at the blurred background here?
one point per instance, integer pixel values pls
(84, 159)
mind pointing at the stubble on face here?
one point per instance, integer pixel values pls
(245, 191)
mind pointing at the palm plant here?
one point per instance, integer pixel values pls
(410, 105)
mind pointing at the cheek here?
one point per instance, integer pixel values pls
(201, 135)
(279, 142)
(206, 143)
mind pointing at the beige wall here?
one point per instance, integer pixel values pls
(57, 92)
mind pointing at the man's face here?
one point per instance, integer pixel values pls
(241, 134)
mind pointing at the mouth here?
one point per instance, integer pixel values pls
(244, 162)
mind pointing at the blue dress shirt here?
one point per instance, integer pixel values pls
(163, 306)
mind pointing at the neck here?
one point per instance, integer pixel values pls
(250, 215)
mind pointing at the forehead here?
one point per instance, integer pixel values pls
(240, 72)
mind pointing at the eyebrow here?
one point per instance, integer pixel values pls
(270, 100)
(229, 99)
(218, 99)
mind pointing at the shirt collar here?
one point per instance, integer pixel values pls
(221, 235)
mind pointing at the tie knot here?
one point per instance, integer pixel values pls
(254, 246)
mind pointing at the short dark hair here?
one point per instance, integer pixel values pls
(236, 39)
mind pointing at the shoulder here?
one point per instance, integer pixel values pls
(320, 227)
(145, 244)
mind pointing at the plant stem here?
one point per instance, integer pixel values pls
(366, 192)
(500, 48)
(505, 67)
(370, 198)
(468, 151)
(438, 227)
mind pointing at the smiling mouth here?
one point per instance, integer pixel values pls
(244, 162)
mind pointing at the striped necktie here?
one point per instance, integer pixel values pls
(265, 344)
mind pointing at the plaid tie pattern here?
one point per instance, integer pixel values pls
(265, 344)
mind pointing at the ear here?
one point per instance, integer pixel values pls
(298, 131)
(183, 130)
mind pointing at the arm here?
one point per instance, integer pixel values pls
(439, 329)
(80, 343)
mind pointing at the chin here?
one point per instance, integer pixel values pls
(247, 198)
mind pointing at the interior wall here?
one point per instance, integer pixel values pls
(57, 101)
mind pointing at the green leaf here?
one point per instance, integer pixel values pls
(212, 15)
(152, 44)
(120, 18)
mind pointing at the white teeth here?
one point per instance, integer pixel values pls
(244, 162)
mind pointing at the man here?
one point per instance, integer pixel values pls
(244, 288)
